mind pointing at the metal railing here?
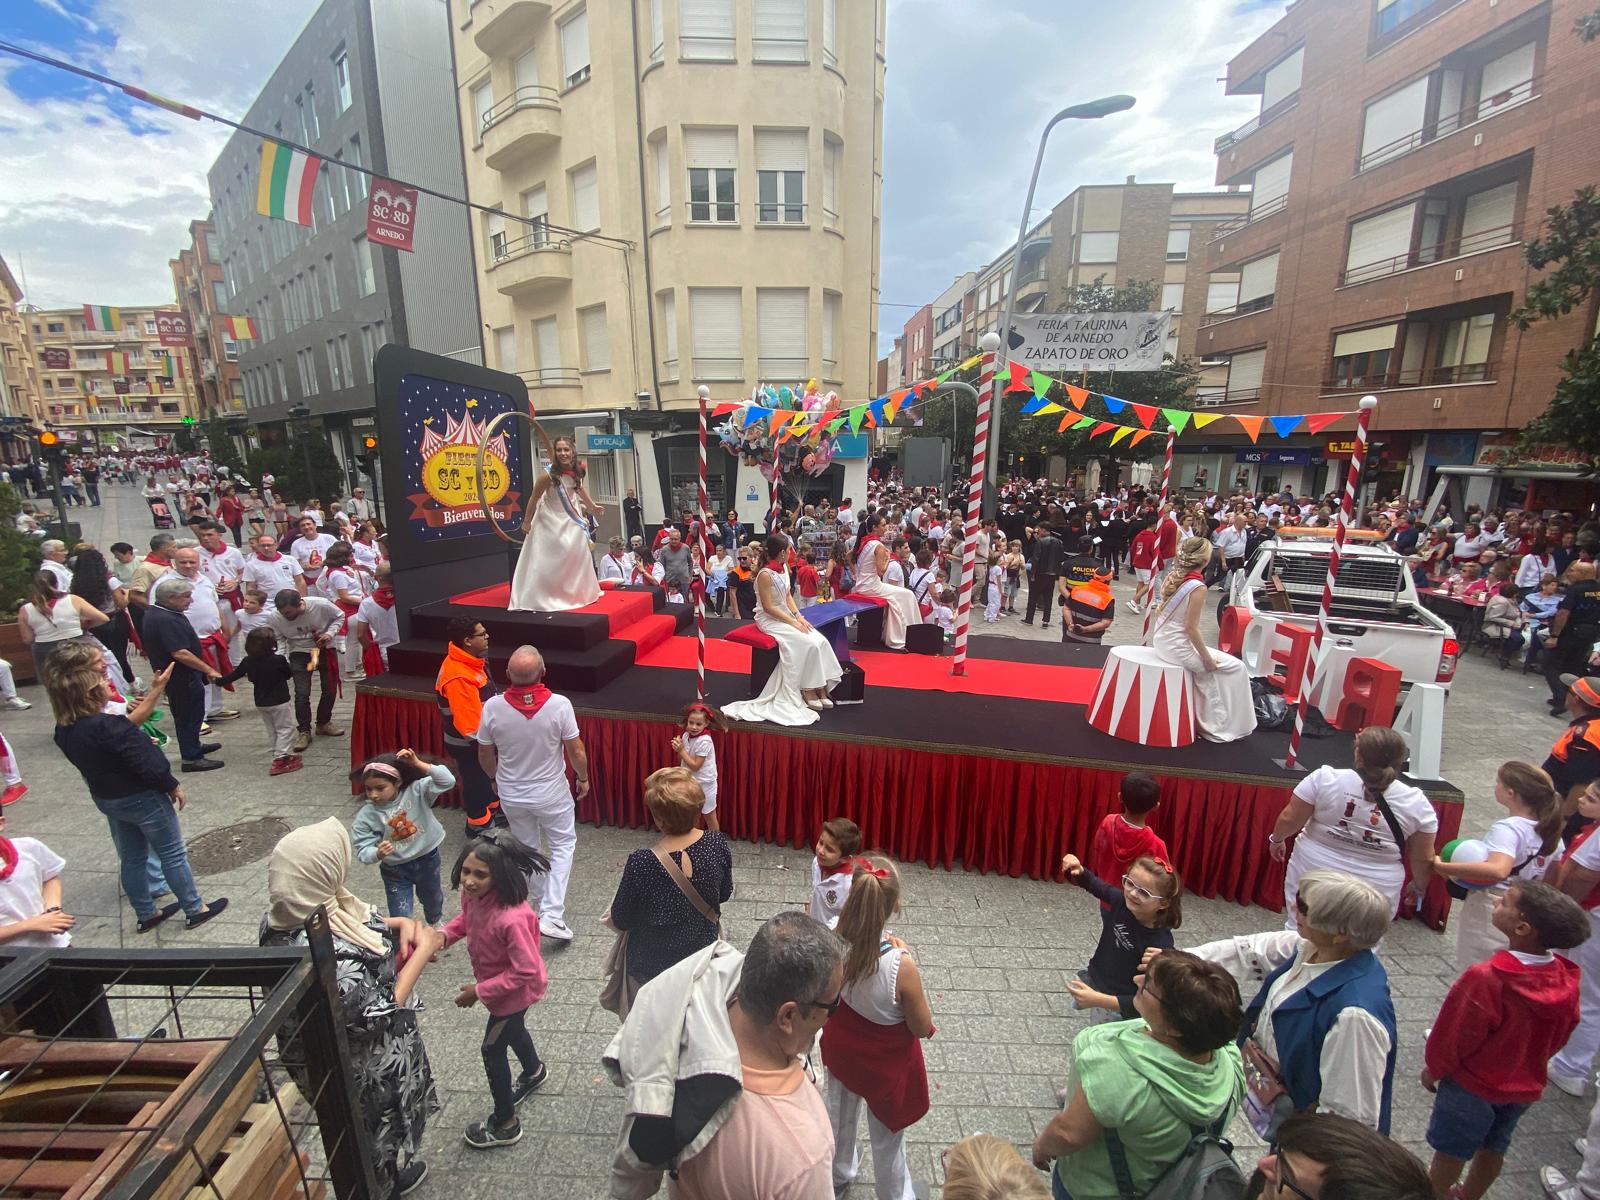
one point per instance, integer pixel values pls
(718, 368)
(1229, 398)
(504, 250)
(780, 212)
(553, 377)
(1438, 376)
(527, 96)
(1427, 256)
(1276, 205)
(1258, 304)
(1042, 275)
(1265, 117)
(1447, 123)
(713, 212)
(707, 49)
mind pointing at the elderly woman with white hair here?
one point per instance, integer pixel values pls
(1224, 708)
(1320, 1033)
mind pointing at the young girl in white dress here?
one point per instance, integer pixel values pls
(807, 667)
(555, 570)
(872, 561)
(1224, 708)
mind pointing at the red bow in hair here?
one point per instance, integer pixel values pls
(862, 864)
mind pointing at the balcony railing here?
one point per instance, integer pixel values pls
(1041, 275)
(1276, 205)
(1427, 256)
(1443, 376)
(527, 96)
(777, 212)
(718, 368)
(553, 377)
(1400, 18)
(713, 212)
(1229, 399)
(1447, 123)
(1216, 315)
(1262, 119)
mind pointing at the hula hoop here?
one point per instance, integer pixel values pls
(483, 445)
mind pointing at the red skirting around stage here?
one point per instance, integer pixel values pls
(1002, 813)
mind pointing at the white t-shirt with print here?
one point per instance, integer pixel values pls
(1348, 833)
(1519, 838)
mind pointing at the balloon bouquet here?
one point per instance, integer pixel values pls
(804, 446)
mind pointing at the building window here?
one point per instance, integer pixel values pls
(780, 31)
(586, 198)
(1245, 372)
(1172, 296)
(1361, 357)
(1468, 88)
(355, 161)
(668, 322)
(547, 338)
(1269, 188)
(781, 341)
(595, 339)
(366, 283)
(334, 372)
(830, 33)
(1464, 350)
(832, 155)
(314, 289)
(482, 103)
(712, 157)
(311, 114)
(705, 30)
(658, 38)
(575, 48)
(213, 247)
(219, 295)
(1258, 283)
(505, 349)
(341, 79)
(536, 208)
(716, 331)
(780, 176)
(663, 179)
(1177, 245)
(1095, 248)
(832, 305)
(333, 283)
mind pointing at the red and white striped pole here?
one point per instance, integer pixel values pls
(704, 548)
(1347, 507)
(1166, 471)
(975, 472)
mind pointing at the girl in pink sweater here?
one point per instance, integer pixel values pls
(502, 935)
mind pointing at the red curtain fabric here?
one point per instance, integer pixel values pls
(1008, 815)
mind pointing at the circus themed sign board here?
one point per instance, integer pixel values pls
(1105, 341)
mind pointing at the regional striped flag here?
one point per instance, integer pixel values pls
(241, 329)
(100, 319)
(116, 362)
(287, 178)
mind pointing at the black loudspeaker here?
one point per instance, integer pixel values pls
(869, 628)
(924, 639)
(925, 461)
(851, 688)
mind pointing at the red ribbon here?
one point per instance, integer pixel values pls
(862, 864)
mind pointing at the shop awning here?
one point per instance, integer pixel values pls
(1567, 473)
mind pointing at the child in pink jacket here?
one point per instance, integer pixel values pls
(502, 935)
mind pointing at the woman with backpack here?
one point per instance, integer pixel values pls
(1144, 1090)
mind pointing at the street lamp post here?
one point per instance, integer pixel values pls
(1090, 111)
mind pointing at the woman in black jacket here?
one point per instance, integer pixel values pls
(130, 782)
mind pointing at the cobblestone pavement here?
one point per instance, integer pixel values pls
(996, 952)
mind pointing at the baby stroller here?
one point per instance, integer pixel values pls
(161, 514)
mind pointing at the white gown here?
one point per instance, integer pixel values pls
(901, 610)
(805, 660)
(555, 568)
(1224, 708)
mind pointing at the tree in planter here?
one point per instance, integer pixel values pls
(287, 463)
(19, 554)
(224, 451)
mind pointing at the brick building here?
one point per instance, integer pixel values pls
(1404, 154)
(917, 339)
(202, 291)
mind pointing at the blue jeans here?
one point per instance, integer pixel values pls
(142, 824)
(423, 874)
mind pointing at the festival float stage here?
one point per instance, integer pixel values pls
(998, 770)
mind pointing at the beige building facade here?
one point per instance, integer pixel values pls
(19, 365)
(689, 194)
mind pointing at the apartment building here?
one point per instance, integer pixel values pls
(948, 311)
(19, 369)
(202, 290)
(1404, 154)
(105, 378)
(367, 84)
(688, 194)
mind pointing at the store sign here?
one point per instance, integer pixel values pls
(173, 329)
(600, 442)
(1506, 450)
(57, 358)
(1340, 447)
(391, 215)
(1274, 458)
(1130, 341)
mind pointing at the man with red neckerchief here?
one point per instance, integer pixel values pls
(156, 564)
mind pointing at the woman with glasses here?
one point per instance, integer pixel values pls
(1140, 1088)
(1321, 1155)
(1320, 1032)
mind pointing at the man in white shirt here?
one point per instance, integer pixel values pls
(358, 506)
(526, 737)
(270, 571)
(1232, 543)
(304, 624)
(213, 625)
(53, 561)
(220, 562)
(310, 548)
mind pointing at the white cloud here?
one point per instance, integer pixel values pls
(95, 204)
(969, 89)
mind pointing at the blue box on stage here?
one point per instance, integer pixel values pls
(601, 442)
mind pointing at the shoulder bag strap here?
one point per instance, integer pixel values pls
(688, 889)
(1393, 822)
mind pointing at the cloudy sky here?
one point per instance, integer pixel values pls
(98, 190)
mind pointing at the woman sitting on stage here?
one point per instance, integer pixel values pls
(807, 668)
(1224, 709)
(555, 569)
(872, 560)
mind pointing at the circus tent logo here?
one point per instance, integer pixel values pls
(450, 470)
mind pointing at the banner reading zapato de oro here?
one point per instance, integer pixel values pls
(1131, 341)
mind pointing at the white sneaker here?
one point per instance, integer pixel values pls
(552, 928)
(17, 704)
(1557, 1186)
(1572, 1085)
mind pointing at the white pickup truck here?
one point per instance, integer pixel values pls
(1375, 612)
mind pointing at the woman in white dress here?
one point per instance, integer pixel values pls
(555, 570)
(872, 560)
(807, 667)
(1224, 708)
(1341, 819)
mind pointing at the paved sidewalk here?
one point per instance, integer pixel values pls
(996, 952)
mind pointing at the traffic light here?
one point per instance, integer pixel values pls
(49, 446)
(369, 445)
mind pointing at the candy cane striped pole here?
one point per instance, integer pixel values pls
(704, 548)
(1166, 471)
(975, 477)
(1347, 506)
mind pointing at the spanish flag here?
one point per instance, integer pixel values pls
(241, 329)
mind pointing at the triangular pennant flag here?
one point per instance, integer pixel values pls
(1076, 394)
(1084, 422)
(1042, 383)
(1317, 422)
(876, 408)
(835, 424)
(1201, 420)
(1033, 405)
(856, 415)
(755, 413)
(1052, 407)
(1065, 421)
(1101, 427)
(899, 397)
(1145, 413)
(1114, 404)
(724, 408)
(1140, 436)
(939, 379)
(1285, 425)
(891, 406)
(1251, 425)
(971, 362)
(1178, 418)
(1020, 379)
(1123, 431)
